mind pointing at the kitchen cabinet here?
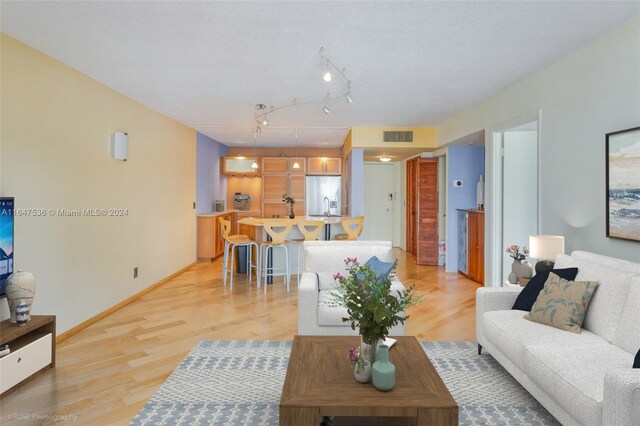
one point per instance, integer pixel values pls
(274, 186)
(284, 165)
(278, 178)
(239, 166)
(210, 240)
(471, 244)
(324, 166)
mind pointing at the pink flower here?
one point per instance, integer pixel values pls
(338, 277)
(514, 247)
(354, 354)
(352, 260)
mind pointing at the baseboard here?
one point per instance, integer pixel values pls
(103, 314)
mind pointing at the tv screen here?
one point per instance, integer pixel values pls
(6, 241)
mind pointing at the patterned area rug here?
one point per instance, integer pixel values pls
(239, 383)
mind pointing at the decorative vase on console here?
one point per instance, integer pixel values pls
(290, 201)
(519, 269)
(369, 349)
(21, 289)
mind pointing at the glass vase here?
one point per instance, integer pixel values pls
(292, 214)
(369, 350)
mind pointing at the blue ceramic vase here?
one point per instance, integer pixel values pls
(383, 372)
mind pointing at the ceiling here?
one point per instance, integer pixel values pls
(207, 64)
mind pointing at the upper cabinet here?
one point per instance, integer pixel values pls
(324, 166)
(284, 165)
(239, 166)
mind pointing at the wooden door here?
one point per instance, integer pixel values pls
(427, 235)
(332, 166)
(412, 181)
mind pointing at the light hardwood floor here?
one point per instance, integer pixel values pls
(106, 373)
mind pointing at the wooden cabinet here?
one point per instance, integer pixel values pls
(210, 240)
(473, 245)
(33, 349)
(239, 166)
(278, 178)
(324, 166)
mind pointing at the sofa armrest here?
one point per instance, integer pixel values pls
(307, 303)
(492, 299)
(621, 397)
(396, 285)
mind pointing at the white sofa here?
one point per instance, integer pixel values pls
(582, 379)
(322, 260)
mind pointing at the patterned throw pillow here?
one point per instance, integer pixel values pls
(562, 304)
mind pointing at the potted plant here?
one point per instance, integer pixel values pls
(372, 307)
(290, 201)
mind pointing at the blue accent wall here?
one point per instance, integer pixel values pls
(464, 163)
(356, 181)
(210, 184)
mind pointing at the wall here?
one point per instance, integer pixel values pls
(356, 182)
(581, 97)
(56, 126)
(210, 184)
(372, 137)
(464, 163)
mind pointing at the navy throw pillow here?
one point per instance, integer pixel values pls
(529, 293)
(380, 268)
(636, 363)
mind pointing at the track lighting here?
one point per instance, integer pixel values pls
(254, 165)
(326, 110)
(348, 98)
(327, 74)
(265, 122)
(296, 165)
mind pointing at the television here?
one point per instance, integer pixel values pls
(6, 241)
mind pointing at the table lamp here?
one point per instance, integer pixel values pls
(545, 248)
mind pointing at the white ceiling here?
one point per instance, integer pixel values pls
(207, 64)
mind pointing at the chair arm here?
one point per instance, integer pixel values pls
(492, 299)
(307, 303)
(621, 397)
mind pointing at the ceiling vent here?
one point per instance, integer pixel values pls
(396, 136)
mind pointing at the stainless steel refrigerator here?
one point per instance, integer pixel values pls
(322, 192)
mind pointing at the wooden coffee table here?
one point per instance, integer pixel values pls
(320, 382)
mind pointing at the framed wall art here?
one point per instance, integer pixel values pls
(623, 184)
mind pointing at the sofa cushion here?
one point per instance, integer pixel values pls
(627, 335)
(380, 268)
(562, 304)
(608, 302)
(509, 332)
(329, 314)
(530, 292)
(573, 375)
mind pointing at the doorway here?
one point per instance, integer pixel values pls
(379, 183)
(422, 210)
(515, 211)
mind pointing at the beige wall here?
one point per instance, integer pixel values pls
(56, 126)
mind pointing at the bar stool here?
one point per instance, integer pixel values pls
(277, 239)
(230, 243)
(310, 230)
(352, 227)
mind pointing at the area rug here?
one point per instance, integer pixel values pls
(239, 382)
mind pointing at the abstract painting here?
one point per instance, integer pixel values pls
(623, 184)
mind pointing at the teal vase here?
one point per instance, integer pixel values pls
(383, 372)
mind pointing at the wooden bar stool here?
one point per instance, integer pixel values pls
(230, 243)
(352, 228)
(277, 239)
(310, 230)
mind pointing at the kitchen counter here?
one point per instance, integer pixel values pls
(258, 221)
(215, 214)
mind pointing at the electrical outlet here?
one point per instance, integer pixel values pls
(135, 272)
(457, 183)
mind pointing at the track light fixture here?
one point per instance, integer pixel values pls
(262, 112)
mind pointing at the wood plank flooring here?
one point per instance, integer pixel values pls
(106, 373)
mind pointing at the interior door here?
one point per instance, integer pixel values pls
(427, 234)
(378, 202)
(411, 206)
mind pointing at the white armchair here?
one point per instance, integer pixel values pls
(322, 260)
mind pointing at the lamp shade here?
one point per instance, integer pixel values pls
(546, 247)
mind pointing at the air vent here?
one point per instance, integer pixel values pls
(398, 136)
